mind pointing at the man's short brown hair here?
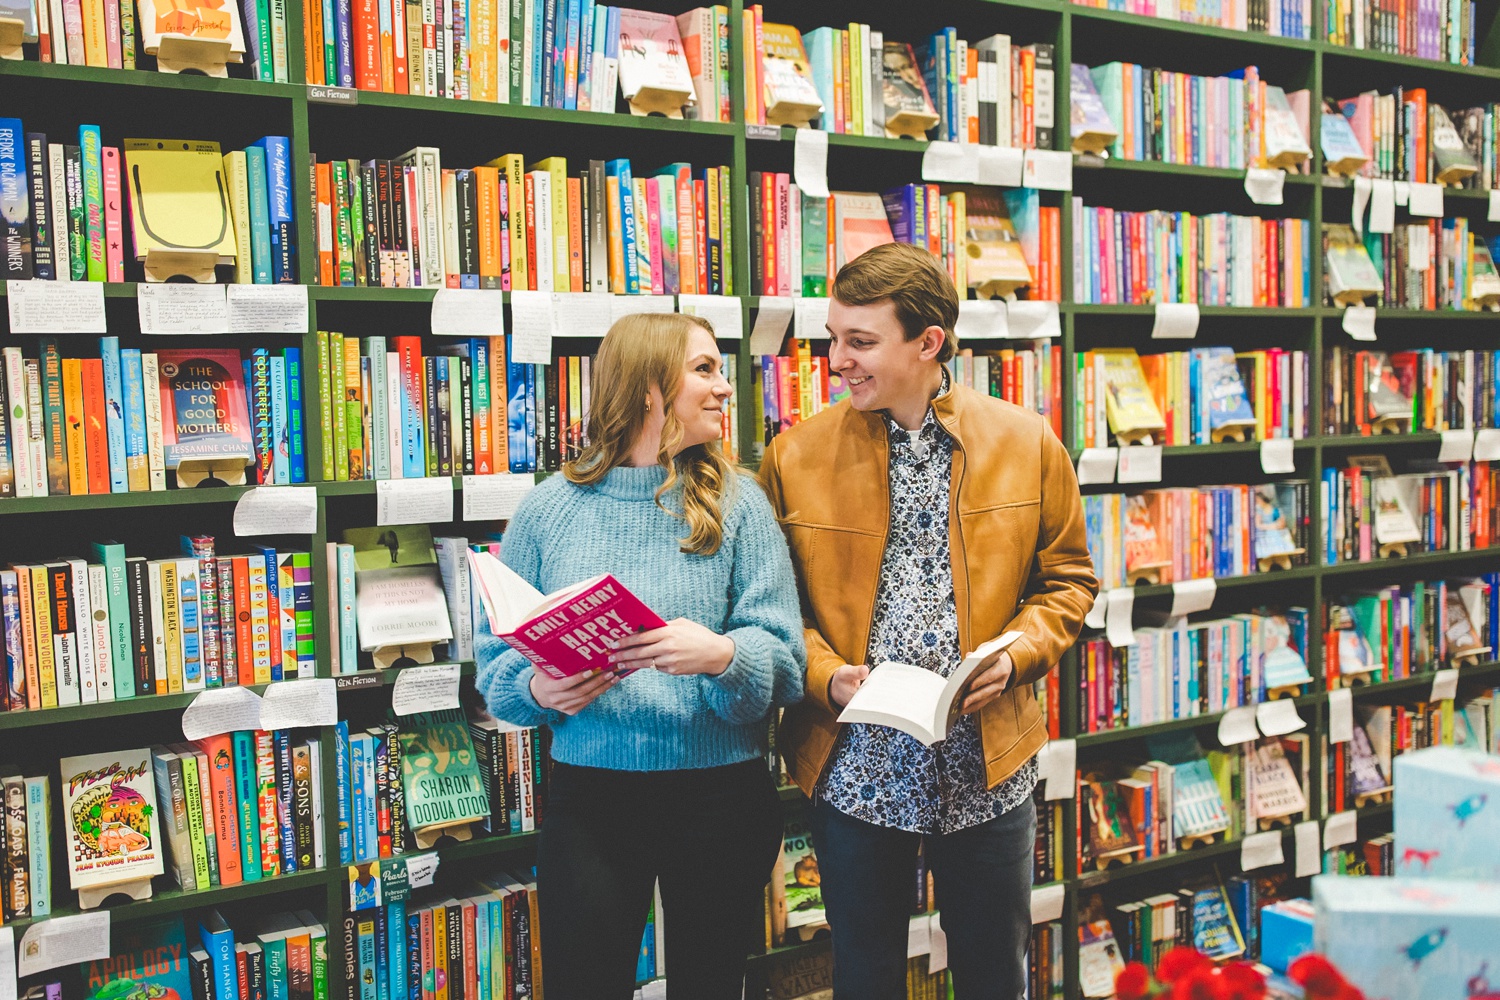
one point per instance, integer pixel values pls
(911, 280)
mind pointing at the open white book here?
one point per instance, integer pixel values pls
(919, 702)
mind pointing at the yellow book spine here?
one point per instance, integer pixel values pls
(171, 620)
(483, 52)
(73, 433)
(237, 176)
(440, 951)
(42, 612)
(95, 46)
(557, 170)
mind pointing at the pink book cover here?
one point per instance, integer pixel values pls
(564, 633)
(112, 36)
(114, 226)
(73, 30)
(203, 410)
(653, 233)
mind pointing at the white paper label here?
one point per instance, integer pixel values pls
(1487, 444)
(1309, 857)
(1193, 595)
(1418, 248)
(1175, 320)
(621, 306)
(951, 162)
(772, 317)
(1457, 446)
(1382, 206)
(1095, 618)
(1046, 903)
(1139, 463)
(1277, 718)
(723, 312)
(422, 869)
(1265, 187)
(578, 314)
(1276, 456)
(190, 308)
(468, 312)
(811, 318)
(291, 704)
(7, 963)
(1339, 829)
(277, 510)
(267, 308)
(1057, 767)
(1048, 170)
(57, 941)
(414, 501)
(919, 936)
(55, 306)
(1118, 619)
(425, 689)
(1097, 465)
(1002, 166)
(1444, 685)
(221, 710)
(1033, 319)
(937, 959)
(1403, 192)
(1426, 201)
(1238, 726)
(531, 328)
(1494, 212)
(495, 497)
(1362, 191)
(810, 162)
(1260, 850)
(1359, 322)
(982, 319)
(1340, 715)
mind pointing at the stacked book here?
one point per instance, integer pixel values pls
(80, 198)
(1182, 670)
(1132, 258)
(80, 632)
(1400, 631)
(408, 222)
(1432, 390)
(1281, 18)
(1404, 136)
(1424, 29)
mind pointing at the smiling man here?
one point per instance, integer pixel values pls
(924, 519)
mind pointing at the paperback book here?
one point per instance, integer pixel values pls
(109, 816)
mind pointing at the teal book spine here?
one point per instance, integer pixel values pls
(348, 625)
(366, 961)
(91, 144)
(38, 844)
(396, 949)
(260, 215)
(246, 797)
(112, 556)
(135, 405)
(278, 986)
(114, 413)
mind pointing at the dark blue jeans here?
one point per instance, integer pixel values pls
(982, 883)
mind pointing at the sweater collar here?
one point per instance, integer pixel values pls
(625, 482)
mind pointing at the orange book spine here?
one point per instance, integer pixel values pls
(325, 223)
(226, 811)
(78, 471)
(312, 41)
(575, 235)
(245, 658)
(387, 51)
(687, 253)
(94, 432)
(400, 77)
(616, 248)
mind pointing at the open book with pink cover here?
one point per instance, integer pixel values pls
(563, 633)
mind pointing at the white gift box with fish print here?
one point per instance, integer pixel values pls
(1410, 939)
(1448, 815)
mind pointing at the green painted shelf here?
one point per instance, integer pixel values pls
(146, 79)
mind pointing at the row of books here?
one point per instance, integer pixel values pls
(1181, 670)
(1190, 533)
(465, 410)
(1185, 397)
(1234, 121)
(1403, 136)
(79, 632)
(408, 222)
(1044, 962)
(1421, 390)
(1029, 377)
(1442, 30)
(1281, 18)
(1361, 769)
(119, 422)
(1136, 258)
(1436, 264)
(78, 201)
(1400, 631)
(1367, 510)
(25, 845)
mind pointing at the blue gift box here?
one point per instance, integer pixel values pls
(1286, 933)
(1448, 814)
(1410, 939)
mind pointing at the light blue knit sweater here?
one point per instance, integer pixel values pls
(651, 721)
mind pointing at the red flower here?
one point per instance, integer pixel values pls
(1133, 982)
(1198, 983)
(1179, 962)
(1242, 981)
(1321, 979)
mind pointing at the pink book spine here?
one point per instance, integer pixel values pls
(504, 238)
(114, 229)
(73, 31)
(414, 223)
(112, 37)
(653, 232)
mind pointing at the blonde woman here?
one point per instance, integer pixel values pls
(660, 774)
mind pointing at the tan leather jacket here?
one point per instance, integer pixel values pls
(1016, 541)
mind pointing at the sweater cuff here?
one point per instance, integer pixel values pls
(526, 703)
(728, 693)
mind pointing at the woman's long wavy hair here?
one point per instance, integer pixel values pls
(641, 351)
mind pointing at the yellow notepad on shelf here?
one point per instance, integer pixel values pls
(179, 198)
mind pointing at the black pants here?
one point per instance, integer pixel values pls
(710, 836)
(982, 880)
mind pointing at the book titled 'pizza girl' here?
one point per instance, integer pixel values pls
(109, 808)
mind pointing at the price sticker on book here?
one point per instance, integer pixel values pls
(176, 308)
(64, 940)
(1048, 170)
(277, 510)
(1359, 322)
(1457, 446)
(495, 497)
(221, 710)
(1033, 320)
(810, 318)
(810, 162)
(982, 319)
(1265, 187)
(55, 306)
(1175, 321)
(1487, 444)
(1276, 456)
(414, 501)
(1140, 463)
(429, 688)
(950, 162)
(267, 308)
(1261, 850)
(773, 315)
(468, 312)
(1426, 200)
(723, 312)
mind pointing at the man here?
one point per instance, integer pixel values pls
(924, 519)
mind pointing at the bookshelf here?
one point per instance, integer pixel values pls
(52, 97)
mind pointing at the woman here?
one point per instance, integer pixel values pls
(660, 774)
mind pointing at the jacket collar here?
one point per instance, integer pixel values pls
(947, 407)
